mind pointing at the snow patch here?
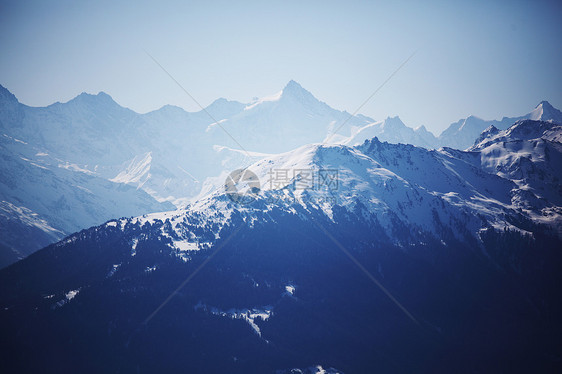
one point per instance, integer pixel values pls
(134, 243)
(214, 124)
(184, 245)
(248, 315)
(113, 270)
(71, 294)
(290, 290)
(150, 269)
(274, 97)
(75, 167)
(67, 298)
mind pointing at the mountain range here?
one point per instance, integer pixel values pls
(461, 135)
(112, 162)
(406, 259)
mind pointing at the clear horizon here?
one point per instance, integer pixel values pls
(489, 59)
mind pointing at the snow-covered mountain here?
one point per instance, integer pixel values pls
(286, 120)
(497, 182)
(110, 141)
(459, 135)
(462, 134)
(530, 154)
(95, 147)
(43, 199)
(393, 130)
(170, 154)
(350, 258)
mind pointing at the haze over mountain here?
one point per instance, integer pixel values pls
(280, 187)
(116, 162)
(462, 134)
(393, 130)
(93, 146)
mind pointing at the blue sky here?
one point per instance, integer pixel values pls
(485, 58)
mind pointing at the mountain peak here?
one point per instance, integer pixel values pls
(6, 95)
(100, 97)
(100, 102)
(393, 122)
(487, 134)
(221, 101)
(293, 85)
(544, 104)
(223, 108)
(544, 111)
(294, 89)
(292, 92)
(86, 94)
(523, 129)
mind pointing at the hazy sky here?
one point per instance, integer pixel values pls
(486, 58)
